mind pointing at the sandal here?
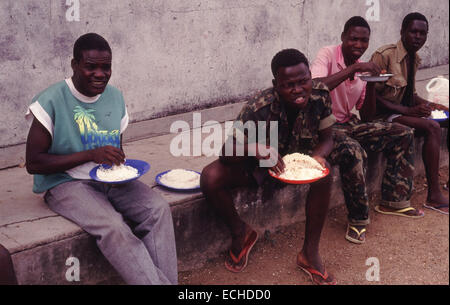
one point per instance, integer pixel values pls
(437, 208)
(400, 212)
(359, 233)
(325, 276)
(238, 264)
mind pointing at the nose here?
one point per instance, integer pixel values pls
(298, 88)
(419, 36)
(99, 73)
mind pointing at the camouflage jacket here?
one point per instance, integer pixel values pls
(266, 106)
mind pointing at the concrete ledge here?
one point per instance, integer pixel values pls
(41, 241)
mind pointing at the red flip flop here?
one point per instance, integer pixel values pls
(310, 271)
(240, 262)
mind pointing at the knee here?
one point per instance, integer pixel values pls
(156, 208)
(352, 154)
(433, 128)
(428, 128)
(406, 133)
(403, 129)
(211, 178)
(326, 182)
(160, 208)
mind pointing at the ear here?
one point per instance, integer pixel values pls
(342, 36)
(73, 64)
(274, 83)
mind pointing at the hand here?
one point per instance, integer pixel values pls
(369, 67)
(420, 111)
(322, 161)
(435, 106)
(108, 155)
(268, 157)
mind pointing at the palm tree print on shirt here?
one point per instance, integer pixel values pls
(91, 136)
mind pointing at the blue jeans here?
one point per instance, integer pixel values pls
(100, 209)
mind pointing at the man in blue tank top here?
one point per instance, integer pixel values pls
(77, 124)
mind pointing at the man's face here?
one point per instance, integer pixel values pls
(91, 74)
(294, 85)
(415, 35)
(355, 42)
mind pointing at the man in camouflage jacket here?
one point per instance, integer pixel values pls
(296, 113)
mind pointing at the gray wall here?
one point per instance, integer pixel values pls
(172, 56)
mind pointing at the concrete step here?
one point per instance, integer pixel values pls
(41, 241)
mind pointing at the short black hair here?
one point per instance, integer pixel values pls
(413, 16)
(287, 58)
(356, 21)
(89, 41)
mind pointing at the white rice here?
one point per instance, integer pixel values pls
(301, 167)
(181, 178)
(438, 114)
(117, 173)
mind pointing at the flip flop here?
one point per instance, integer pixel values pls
(240, 262)
(437, 208)
(400, 212)
(355, 240)
(310, 271)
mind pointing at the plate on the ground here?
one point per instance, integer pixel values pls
(325, 173)
(377, 78)
(141, 166)
(175, 187)
(441, 120)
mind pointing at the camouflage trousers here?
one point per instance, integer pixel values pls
(351, 141)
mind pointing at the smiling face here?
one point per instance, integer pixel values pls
(294, 85)
(354, 43)
(415, 35)
(92, 72)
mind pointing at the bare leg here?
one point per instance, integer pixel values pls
(317, 205)
(216, 181)
(431, 130)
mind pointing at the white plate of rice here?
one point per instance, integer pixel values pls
(130, 170)
(300, 169)
(179, 179)
(439, 115)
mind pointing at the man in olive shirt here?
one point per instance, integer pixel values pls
(398, 100)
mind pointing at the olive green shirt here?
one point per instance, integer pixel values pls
(393, 59)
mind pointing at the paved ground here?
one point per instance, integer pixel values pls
(409, 251)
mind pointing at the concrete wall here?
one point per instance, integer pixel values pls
(172, 56)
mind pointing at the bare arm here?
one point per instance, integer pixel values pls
(336, 79)
(420, 110)
(259, 151)
(39, 161)
(369, 107)
(324, 147)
